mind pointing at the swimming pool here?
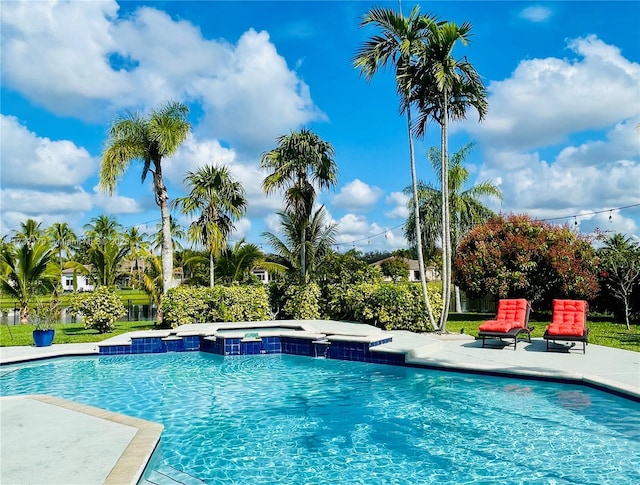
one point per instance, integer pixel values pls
(291, 419)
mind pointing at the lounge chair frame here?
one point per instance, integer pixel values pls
(584, 338)
(511, 334)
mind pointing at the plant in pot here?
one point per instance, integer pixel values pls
(46, 314)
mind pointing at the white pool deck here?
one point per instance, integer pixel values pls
(46, 440)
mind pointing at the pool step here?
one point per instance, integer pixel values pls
(170, 476)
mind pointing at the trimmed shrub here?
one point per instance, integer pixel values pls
(302, 302)
(100, 308)
(393, 306)
(236, 303)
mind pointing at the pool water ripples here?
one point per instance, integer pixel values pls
(291, 419)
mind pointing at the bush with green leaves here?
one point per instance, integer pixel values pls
(236, 303)
(100, 308)
(393, 306)
(302, 302)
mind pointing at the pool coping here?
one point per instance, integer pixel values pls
(451, 352)
(129, 465)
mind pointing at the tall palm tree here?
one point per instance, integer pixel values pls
(30, 231)
(400, 44)
(319, 237)
(63, 239)
(26, 271)
(217, 200)
(150, 140)
(444, 88)
(465, 205)
(301, 162)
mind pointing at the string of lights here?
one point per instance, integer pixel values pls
(387, 231)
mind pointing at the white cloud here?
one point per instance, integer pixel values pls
(355, 230)
(248, 93)
(546, 100)
(536, 13)
(115, 204)
(194, 153)
(36, 202)
(398, 201)
(30, 161)
(357, 195)
(597, 175)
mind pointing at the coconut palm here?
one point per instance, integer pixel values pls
(301, 162)
(319, 237)
(28, 270)
(63, 239)
(466, 207)
(148, 139)
(444, 88)
(30, 231)
(400, 44)
(217, 200)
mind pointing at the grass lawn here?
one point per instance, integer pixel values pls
(602, 331)
(66, 333)
(136, 297)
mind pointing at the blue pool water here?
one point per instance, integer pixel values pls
(290, 419)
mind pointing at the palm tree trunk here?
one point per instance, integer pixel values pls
(303, 254)
(211, 270)
(446, 223)
(416, 215)
(166, 251)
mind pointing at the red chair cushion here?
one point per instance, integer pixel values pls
(511, 314)
(569, 318)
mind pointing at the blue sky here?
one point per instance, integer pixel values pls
(560, 139)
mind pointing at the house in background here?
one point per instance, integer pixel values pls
(262, 275)
(431, 272)
(83, 282)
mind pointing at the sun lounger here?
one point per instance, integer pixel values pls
(511, 320)
(568, 323)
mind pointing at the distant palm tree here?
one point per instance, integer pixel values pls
(63, 238)
(467, 209)
(465, 206)
(177, 234)
(138, 244)
(237, 262)
(319, 237)
(444, 88)
(102, 228)
(400, 43)
(30, 231)
(26, 271)
(150, 140)
(301, 162)
(217, 200)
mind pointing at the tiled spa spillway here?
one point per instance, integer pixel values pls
(255, 341)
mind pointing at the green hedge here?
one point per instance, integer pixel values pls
(189, 304)
(390, 306)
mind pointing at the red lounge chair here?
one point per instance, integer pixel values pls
(512, 320)
(568, 323)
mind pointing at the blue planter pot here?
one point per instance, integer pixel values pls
(43, 338)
